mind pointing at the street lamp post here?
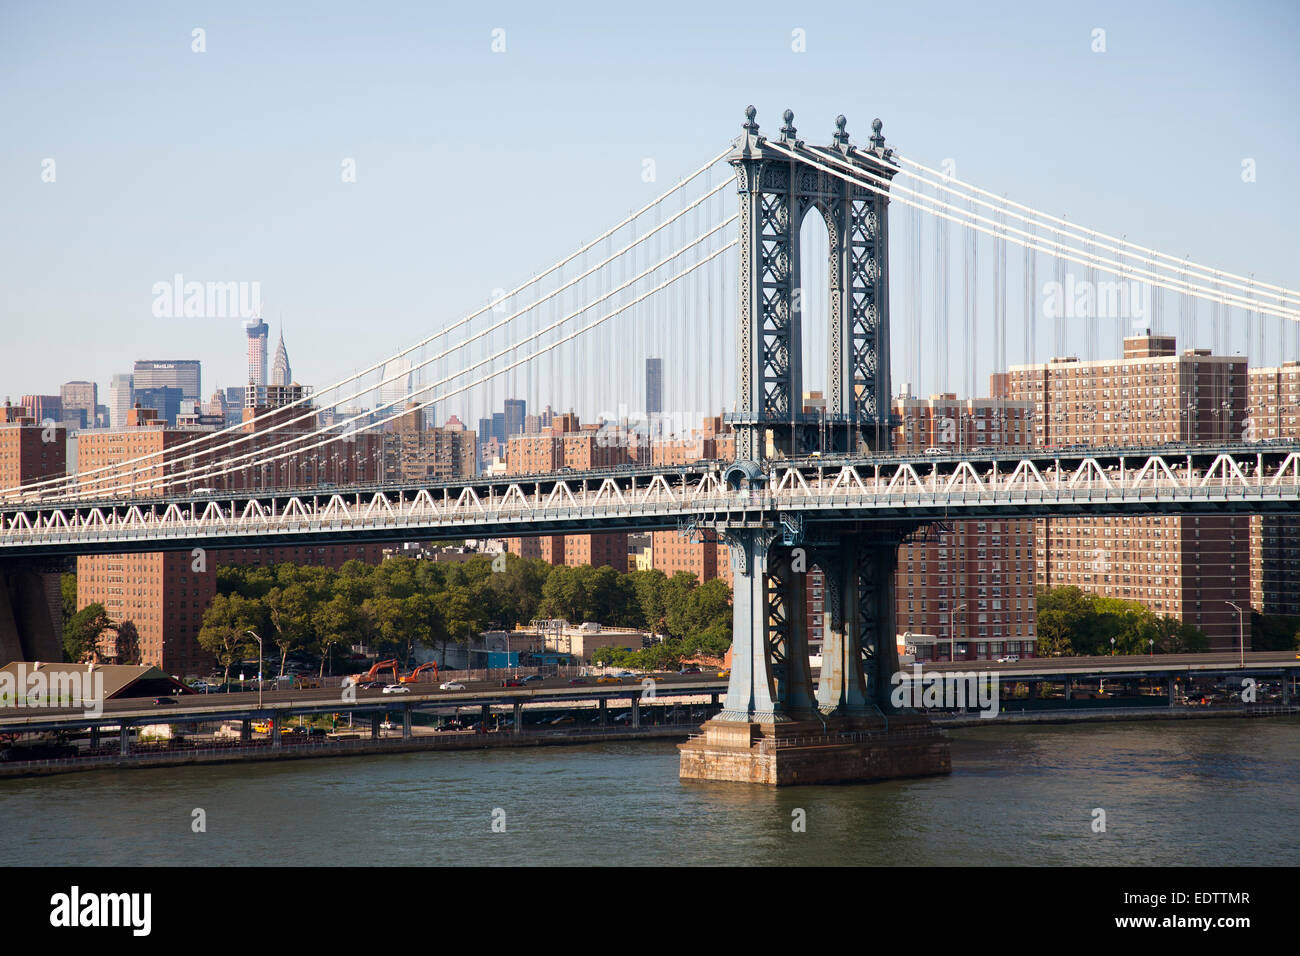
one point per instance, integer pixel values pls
(1241, 630)
(258, 637)
(952, 634)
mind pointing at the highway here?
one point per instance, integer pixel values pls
(1121, 665)
(212, 707)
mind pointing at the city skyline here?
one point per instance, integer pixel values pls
(1027, 151)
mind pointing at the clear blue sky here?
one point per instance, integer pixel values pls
(475, 168)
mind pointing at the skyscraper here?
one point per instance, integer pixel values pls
(257, 333)
(184, 374)
(394, 394)
(281, 374)
(654, 386)
(79, 400)
(516, 410)
(121, 396)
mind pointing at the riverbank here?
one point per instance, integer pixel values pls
(315, 749)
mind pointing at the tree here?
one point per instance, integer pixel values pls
(289, 612)
(677, 609)
(68, 589)
(81, 636)
(564, 595)
(1274, 632)
(224, 629)
(335, 622)
(455, 618)
(128, 643)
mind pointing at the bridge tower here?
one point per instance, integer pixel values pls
(776, 726)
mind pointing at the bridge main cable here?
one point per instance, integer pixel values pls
(880, 186)
(1248, 283)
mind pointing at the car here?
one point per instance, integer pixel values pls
(532, 677)
(316, 731)
(388, 725)
(626, 674)
(575, 681)
(512, 682)
(372, 685)
(609, 679)
(397, 689)
(451, 685)
(689, 670)
(935, 451)
(1009, 659)
(725, 672)
(164, 700)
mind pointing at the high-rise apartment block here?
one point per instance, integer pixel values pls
(702, 554)
(415, 453)
(1187, 567)
(1274, 413)
(966, 589)
(582, 449)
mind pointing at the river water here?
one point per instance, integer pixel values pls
(1204, 792)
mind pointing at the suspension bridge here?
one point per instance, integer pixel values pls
(711, 275)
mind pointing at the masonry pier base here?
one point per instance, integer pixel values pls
(803, 752)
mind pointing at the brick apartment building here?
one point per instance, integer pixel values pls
(705, 557)
(1274, 412)
(568, 444)
(412, 452)
(30, 452)
(1187, 567)
(165, 594)
(970, 583)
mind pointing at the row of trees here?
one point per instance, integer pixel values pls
(1072, 621)
(394, 606)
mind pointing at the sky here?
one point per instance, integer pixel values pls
(474, 167)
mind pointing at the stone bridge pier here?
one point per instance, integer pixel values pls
(781, 724)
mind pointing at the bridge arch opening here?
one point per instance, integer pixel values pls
(814, 316)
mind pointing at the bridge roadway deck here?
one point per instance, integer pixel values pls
(1172, 479)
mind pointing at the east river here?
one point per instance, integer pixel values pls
(1204, 792)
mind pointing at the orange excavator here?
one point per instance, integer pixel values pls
(414, 676)
(374, 672)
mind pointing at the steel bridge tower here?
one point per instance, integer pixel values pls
(771, 705)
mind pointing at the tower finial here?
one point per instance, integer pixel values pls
(841, 135)
(749, 124)
(788, 131)
(877, 137)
